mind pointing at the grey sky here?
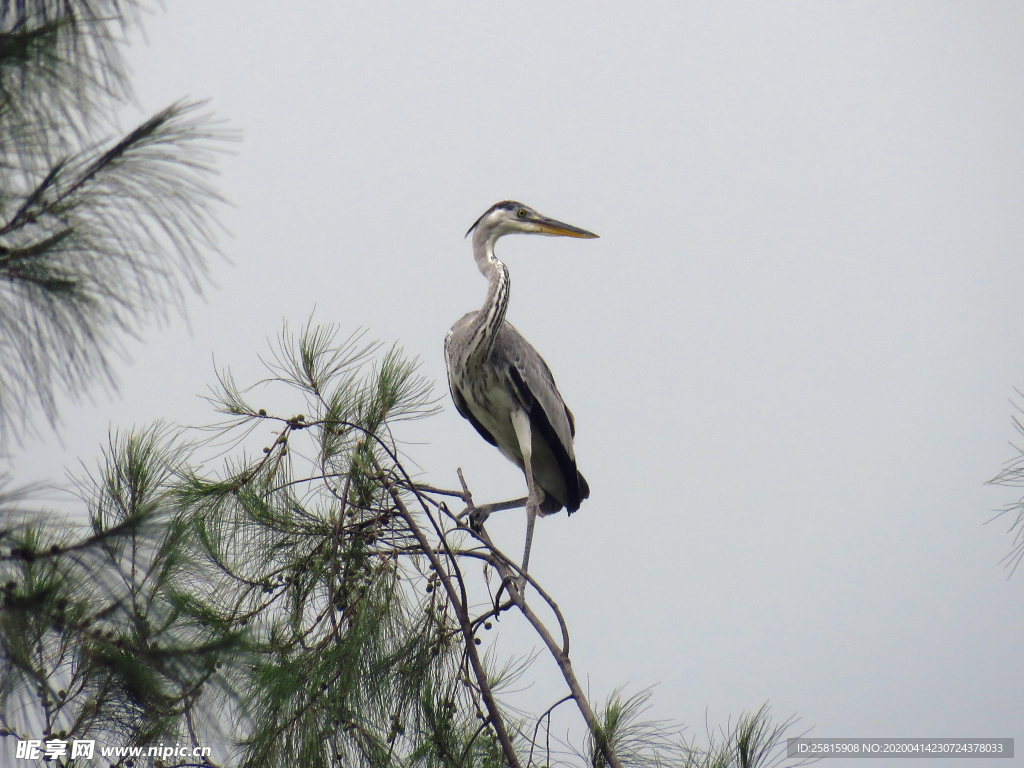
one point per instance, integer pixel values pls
(789, 355)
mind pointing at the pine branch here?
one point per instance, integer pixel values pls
(1012, 475)
(61, 77)
(105, 241)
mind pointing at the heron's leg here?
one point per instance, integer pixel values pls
(521, 422)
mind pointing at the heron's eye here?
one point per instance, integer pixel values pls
(521, 213)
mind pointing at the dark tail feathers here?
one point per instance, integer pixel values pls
(550, 505)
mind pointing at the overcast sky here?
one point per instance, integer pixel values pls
(790, 355)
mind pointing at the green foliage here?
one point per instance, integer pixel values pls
(96, 235)
(751, 743)
(97, 634)
(61, 73)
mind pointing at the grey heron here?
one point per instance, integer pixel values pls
(503, 386)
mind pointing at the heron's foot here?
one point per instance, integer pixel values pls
(478, 516)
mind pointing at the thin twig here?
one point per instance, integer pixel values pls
(424, 488)
(547, 714)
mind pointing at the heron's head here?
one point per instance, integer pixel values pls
(509, 217)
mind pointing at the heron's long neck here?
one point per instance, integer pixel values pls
(492, 314)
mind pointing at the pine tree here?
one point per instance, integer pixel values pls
(299, 601)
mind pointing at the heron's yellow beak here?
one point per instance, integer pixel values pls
(552, 227)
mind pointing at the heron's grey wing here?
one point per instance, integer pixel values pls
(536, 390)
(551, 379)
